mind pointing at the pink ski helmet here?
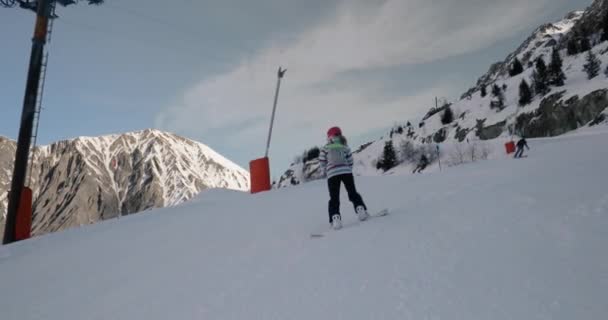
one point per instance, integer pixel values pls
(334, 131)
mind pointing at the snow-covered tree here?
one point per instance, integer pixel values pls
(525, 94)
(585, 44)
(389, 157)
(572, 47)
(593, 65)
(516, 68)
(496, 91)
(499, 103)
(556, 74)
(605, 27)
(540, 77)
(448, 116)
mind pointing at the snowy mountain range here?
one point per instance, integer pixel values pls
(87, 179)
(490, 113)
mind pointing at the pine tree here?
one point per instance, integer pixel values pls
(525, 94)
(516, 68)
(389, 157)
(605, 27)
(499, 103)
(556, 74)
(312, 154)
(496, 91)
(592, 67)
(572, 47)
(484, 91)
(448, 116)
(585, 44)
(540, 77)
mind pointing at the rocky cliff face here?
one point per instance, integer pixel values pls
(556, 116)
(7, 154)
(81, 181)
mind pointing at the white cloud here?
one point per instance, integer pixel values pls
(360, 37)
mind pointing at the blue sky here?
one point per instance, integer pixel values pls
(206, 69)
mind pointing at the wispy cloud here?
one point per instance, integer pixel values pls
(361, 37)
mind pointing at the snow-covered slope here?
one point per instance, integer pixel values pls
(579, 102)
(540, 43)
(474, 117)
(88, 179)
(475, 109)
(498, 239)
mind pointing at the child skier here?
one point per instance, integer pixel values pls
(337, 163)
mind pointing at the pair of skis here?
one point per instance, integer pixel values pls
(378, 214)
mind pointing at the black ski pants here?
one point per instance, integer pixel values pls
(333, 184)
(419, 168)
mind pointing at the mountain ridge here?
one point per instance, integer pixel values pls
(86, 179)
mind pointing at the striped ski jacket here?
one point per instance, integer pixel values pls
(336, 159)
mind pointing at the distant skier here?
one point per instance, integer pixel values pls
(520, 147)
(337, 163)
(424, 161)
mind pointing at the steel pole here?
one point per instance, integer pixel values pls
(280, 75)
(27, 118)
(439, 158)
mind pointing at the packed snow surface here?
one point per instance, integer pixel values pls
(496, 239)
